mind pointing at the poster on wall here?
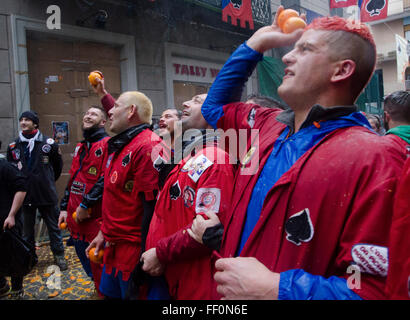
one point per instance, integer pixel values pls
(60, 132)
(402, 53)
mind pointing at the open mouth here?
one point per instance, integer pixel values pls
(288, 73)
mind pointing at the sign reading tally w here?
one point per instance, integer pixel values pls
(191, 70)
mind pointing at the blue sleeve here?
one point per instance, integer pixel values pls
(229, 82)
(299, 285)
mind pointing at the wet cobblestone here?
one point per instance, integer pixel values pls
(47, 282)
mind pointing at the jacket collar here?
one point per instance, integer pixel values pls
(317, 113)
(94, 135)
(39, 137)
(119, 141)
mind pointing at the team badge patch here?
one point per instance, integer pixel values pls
(248, 156)
(16, 154)
(189, 196)
(299, 227)
(98, 152)
(109, 160)
(76, 150)
(78, 188)
(46, 148)
(129, 185)
(50, 141)
(93, 171)
(371, 259)
(175, 191)
(126, 160)
(46, 159)
(251, 118)
(159, 163)
(187, 165)
(114, 177)
(208, 199)
(198, 167)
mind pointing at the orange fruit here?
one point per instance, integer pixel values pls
(96, 258)
(63, 225)
(74, 216)
(292, 24)
(93, 76)
(285, 15)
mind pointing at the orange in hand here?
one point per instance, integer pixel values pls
(75, 216)
(93, 76)
(292, 24)
(285, 15)
(63, 225)
(96, 258)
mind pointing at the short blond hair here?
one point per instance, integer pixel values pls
(143, 104)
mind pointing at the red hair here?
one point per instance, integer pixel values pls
(336, 23)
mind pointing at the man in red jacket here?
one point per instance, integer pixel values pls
(317, 212)
(86, 169)
(130, 185)
(200, 184)
(398, 277)
(397, 119)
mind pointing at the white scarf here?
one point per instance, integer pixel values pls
(31, 141)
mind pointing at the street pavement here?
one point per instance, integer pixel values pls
(47, 282)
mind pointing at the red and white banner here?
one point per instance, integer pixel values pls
(372, 10)
(238, 10)
(342, 3)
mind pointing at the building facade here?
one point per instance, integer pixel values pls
(170, 50)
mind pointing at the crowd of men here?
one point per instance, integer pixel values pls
(314, 205)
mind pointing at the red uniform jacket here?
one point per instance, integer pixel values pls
(88, 173)
(197, 184)
(398, 278)
(333, 186)
(128, 172)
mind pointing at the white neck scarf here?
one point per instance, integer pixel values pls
(31, 141)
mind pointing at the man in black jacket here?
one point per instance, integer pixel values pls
(13, 191)
(39, 158)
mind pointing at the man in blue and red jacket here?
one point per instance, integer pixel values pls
(317, 211)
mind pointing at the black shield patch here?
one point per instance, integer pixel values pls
(126, 160)
(375, 6)
(159, 163)
(98, 152)
(299, 227)
(175, 191)
(237, 4)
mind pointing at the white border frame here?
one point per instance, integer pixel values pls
(20, 25)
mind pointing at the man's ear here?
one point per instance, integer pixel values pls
(387, 116)
(343, 70)
(133, 112)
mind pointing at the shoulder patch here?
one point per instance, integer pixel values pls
(12, 145)
(50, 141)
(371, 258)
(198, 167)
(207, 200)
